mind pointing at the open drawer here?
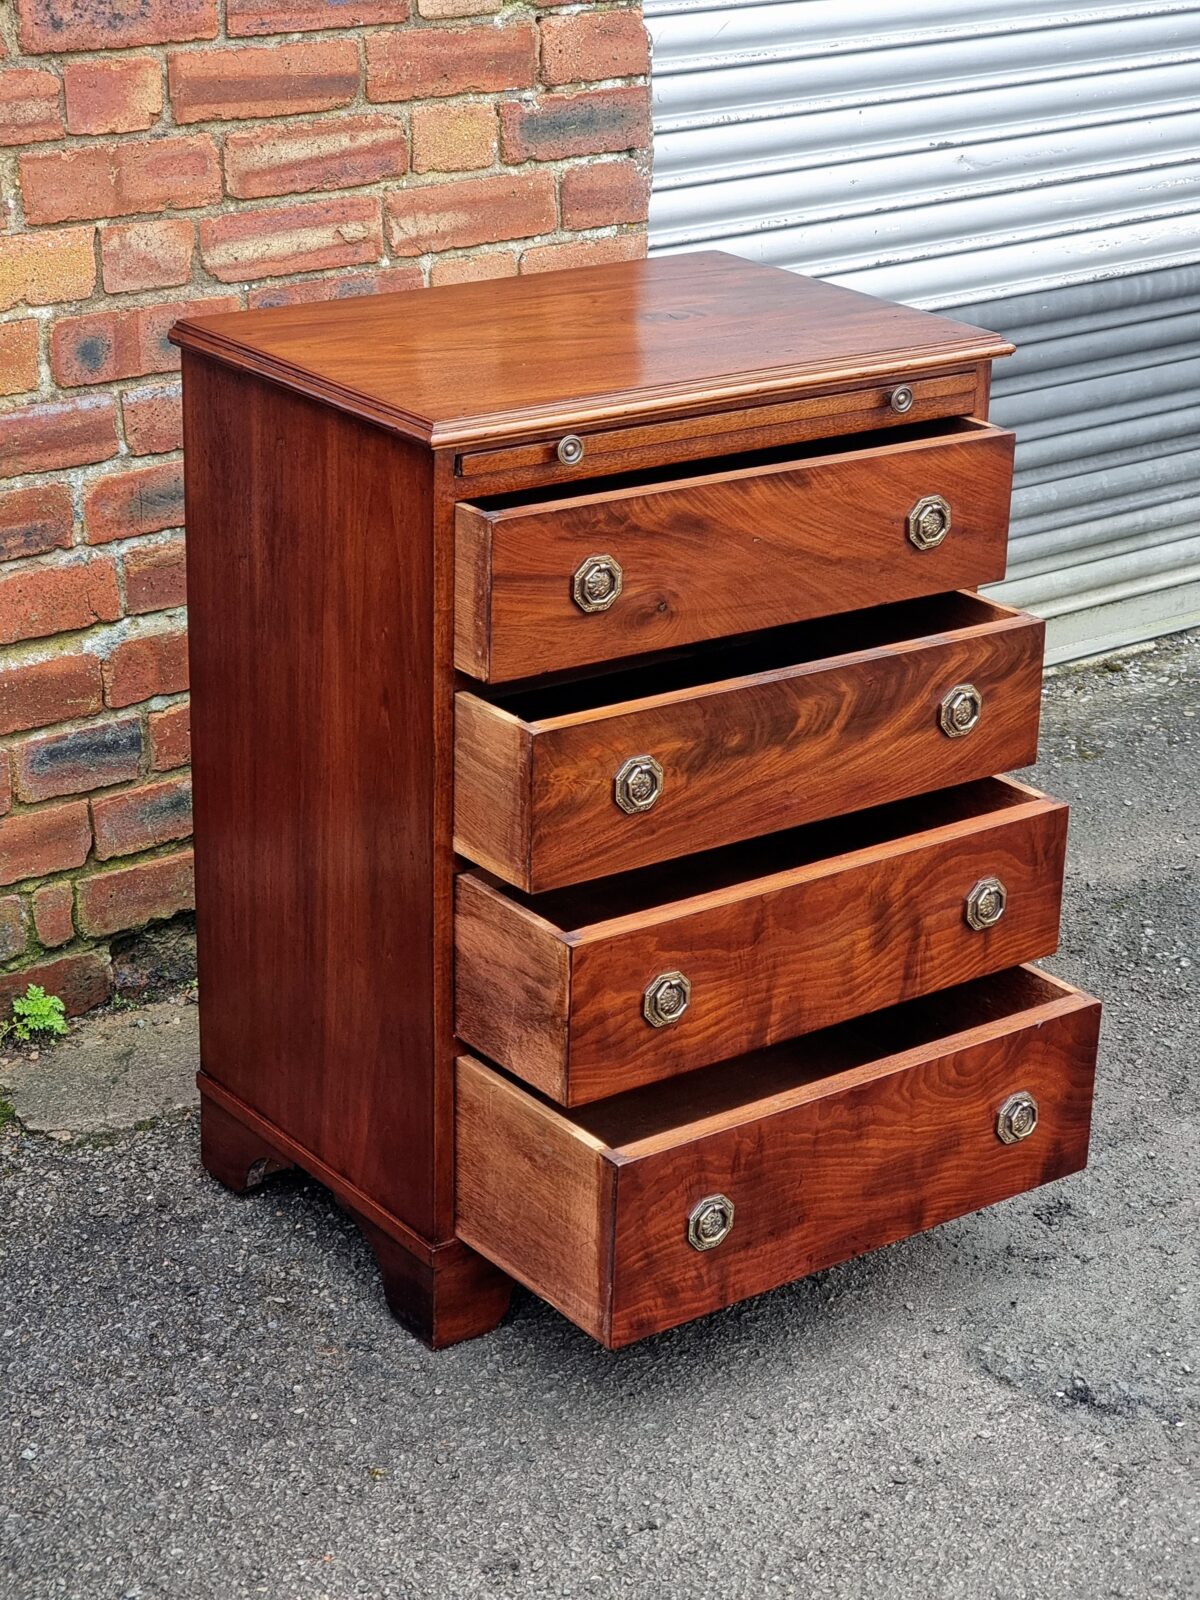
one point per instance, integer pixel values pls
(565, 782)
(640, 1212)
(546, 581)
(588, 991)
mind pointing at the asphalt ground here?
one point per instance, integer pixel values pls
(204, 1395)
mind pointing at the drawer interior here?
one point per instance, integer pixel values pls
(672, 882)
(771, 651)
(822, 1063)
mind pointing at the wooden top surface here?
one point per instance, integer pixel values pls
(475, 363)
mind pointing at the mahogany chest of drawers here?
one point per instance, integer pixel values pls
(603, 879)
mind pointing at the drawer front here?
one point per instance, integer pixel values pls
(860, 409)
(593, 1212)
(552, 584)
(545, 803)
(585, 1008)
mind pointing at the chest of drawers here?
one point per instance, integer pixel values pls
(603, 879)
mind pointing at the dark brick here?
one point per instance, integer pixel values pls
(113, 24)
(35, 520)
(592, 122)
(123, 505)
(138, 819)
(90, 757)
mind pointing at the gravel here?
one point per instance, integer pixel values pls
(206, 1398)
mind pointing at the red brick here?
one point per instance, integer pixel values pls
(446, 9)
(53, 914)
(18, 356)
(592, 122)
(127, 504)
(341, 286)
(418, 62)
(40, 269)
(451, 216)
(37, 601)
(584, 253)
(29, 108)
(267, 243)
(171, 737)
(13, 927)
(139, 669)
(471, 269)
(334, 153)
(35, 520)
(146, 255)
(596, 194)
(68, 433)
(90, 757)
(103, 346)
(155, 578)
(81, 980)
(129, 897)
(40, 692)
(119, 180)
(51, 839)
(120, 95)
(153, 419)
(138, 819)
(53, 25)
(245, 17)
(454, 138)
(247, 81)
(592, 45)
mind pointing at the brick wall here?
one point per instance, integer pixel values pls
(208, 154)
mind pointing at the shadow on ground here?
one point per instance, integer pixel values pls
(206, 1397)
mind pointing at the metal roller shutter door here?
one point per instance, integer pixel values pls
(1032, 169)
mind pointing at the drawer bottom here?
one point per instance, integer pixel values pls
(640, 1212)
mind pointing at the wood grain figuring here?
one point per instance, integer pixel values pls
(815, 941)
(726, 552)
(312, 750)
(828, 1148)
(471, 364)
(799, 736)
(849, 409)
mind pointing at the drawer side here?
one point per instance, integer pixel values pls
(534, 1195)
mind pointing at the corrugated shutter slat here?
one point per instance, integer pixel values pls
(1036, 170)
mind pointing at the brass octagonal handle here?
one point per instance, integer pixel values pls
(929, 522)
(985, 904)
(597, 583)
(1017, 1118)
(710, 1222)
(666, 998)
(638, 784)
(960, 710)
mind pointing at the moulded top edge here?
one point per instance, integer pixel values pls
(477, 363)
